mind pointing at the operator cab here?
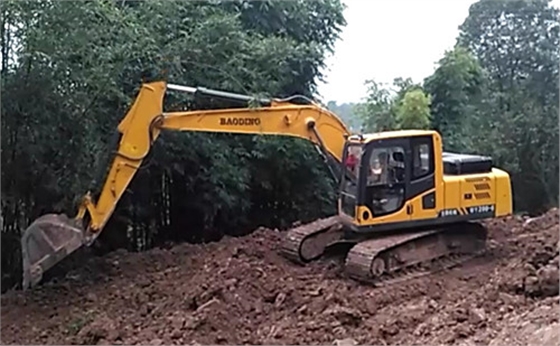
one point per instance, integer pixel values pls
(384, 170)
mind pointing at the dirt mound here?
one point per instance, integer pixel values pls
(240, 291)
(517, 303)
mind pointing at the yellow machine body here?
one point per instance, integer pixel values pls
(440, 197)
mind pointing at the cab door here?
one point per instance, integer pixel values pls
(421, 192)
(385, 182)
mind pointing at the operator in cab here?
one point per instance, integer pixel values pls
(379, 171)
(353, 159)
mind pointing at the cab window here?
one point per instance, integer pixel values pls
(385, 181)
(422, 158)
(386, 166)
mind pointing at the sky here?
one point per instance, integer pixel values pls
(385, 39)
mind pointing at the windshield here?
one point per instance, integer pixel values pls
(386, 166)
(384, 183)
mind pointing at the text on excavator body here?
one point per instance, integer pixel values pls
(240, 121)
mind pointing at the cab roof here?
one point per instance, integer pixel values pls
(368, 137)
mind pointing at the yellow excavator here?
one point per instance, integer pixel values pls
(405, 208)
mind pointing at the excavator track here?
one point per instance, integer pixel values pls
(308, 242)
(398, 258)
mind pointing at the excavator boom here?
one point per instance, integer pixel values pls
(52, 237)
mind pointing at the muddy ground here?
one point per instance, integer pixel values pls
(240, 291)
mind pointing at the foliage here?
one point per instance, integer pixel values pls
(376, 113)
(70, 71)
(413, 111)
(389, 108)
(456, 88)
(313, 25)
(517, 43)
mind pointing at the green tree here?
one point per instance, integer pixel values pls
(403, 85)
(314, 26)
(376, 111)
(517, 43)
(379, 111)
(456, 88)
(413, 110)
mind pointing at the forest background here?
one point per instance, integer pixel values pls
(70, 69)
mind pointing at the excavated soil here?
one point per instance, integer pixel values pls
(240, 291)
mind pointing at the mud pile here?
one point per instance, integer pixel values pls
(240, 291)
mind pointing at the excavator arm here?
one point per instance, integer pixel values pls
(52, 237)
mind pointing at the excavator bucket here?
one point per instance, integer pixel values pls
(46, 242)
